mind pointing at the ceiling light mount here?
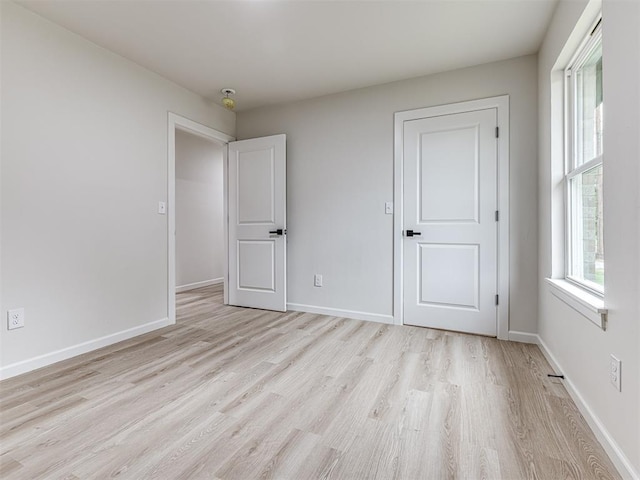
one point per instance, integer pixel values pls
(228, 102)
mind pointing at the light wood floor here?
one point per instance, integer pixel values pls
(234, 393)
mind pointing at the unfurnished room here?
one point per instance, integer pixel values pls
(291, 239)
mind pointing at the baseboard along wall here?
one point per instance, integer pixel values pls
(619, 459)
(193, 286)
(34, 363)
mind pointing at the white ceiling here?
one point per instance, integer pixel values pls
(277, 51)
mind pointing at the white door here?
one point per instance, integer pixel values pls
(450, 230)
(257, 223)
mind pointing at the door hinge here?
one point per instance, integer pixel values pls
(497, 215)
(497, 132)
(497, 299)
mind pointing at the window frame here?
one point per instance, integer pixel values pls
(573, 137)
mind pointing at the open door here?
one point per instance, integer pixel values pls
(258, 223)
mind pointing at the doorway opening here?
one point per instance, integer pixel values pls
(197, 208)
(200, 251)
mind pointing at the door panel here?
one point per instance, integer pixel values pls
(256, 265)
(449, 275)
(449, 175)
(450, 198)
(256, 194)
(257, 208)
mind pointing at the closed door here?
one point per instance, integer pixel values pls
(257, 223)
(450, 230)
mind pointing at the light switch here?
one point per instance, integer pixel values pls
(388, 208)
(162, 208)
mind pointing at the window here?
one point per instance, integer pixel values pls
(583, 173)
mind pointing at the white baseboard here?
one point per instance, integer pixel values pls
(34, 363)
(619, 459)
(334, 312)
(192, 286)
(524, 337)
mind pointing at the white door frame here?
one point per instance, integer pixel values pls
(176, 121)
(500, 103)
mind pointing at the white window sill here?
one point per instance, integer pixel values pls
(585, 303)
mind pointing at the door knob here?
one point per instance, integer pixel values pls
(279, 231)
(411, 233)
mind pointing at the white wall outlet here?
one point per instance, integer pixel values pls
(317, 280)
(15, 318)
(615, 372)
(388, 208)
(162, 208)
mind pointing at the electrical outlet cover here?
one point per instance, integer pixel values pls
(15, 318)
(615, 372)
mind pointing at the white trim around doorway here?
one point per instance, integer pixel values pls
(501, 104)
(174, 122)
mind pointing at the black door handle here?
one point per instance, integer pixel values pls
(277, 232)
(411, 233)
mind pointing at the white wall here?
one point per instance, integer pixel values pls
(581, 349)
(84, 164)
(340, 173)
(199, 211)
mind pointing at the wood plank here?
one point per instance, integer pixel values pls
(234, 393)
